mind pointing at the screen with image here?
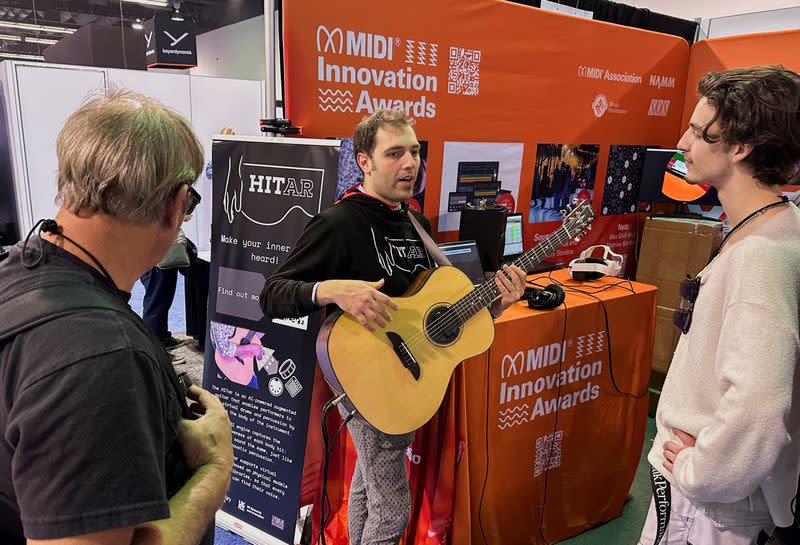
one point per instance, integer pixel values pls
(663, 179)
(464, 257)
(513, 244)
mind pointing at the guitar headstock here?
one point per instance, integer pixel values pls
(578, 217)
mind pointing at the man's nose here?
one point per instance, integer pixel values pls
(683, 143)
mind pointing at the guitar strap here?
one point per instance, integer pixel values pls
(433, 250)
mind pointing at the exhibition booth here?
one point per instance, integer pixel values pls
(518, 109)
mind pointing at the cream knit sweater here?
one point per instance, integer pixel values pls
(734, 382)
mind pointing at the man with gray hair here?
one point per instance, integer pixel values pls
(98, 443)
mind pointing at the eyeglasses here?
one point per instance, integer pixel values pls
(690, 288)
(192, 200)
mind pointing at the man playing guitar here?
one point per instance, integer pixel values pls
(357, 255)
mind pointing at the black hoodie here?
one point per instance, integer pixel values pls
(358, 238)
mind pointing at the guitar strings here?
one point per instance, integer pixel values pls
(447, 320)
(455, 316)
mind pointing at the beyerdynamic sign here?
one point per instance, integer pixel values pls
(169, 44)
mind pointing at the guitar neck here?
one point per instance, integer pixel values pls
(483, 296)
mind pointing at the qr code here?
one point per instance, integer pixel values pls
(464, 74)
(548, 448)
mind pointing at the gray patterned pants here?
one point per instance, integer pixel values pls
(379, 505)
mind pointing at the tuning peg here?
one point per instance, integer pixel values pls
(562, 213)
(589, 228)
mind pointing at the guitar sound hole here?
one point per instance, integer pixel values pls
(442, 331)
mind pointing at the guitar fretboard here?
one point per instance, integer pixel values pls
(482, 296)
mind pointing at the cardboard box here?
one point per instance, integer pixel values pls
(666, 339)
(671, 249)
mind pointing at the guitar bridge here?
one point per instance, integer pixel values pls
(404, 353)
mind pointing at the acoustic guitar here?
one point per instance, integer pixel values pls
(396, 376)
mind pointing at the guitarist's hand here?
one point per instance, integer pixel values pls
(360, 299)
(511, 283)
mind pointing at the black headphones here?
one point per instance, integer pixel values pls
(544, 299)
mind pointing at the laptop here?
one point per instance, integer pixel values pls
(463, 255)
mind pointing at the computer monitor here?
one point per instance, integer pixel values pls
(666, 166)
(513, 243)
(464, 256)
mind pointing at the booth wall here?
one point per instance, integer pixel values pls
(34, 116)
(493, 87)
(234, 51)
(738, 51)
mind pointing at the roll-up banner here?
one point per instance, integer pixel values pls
(265, 191)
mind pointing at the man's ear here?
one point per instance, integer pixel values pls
(363, 161)
(174, 211)
(740, 152)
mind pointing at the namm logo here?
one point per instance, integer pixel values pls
(355, 44)
(658, 108)
(662, 81)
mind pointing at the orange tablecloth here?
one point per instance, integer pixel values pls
(539, 438)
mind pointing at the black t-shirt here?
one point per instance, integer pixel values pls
(88, 414)
(359, 238)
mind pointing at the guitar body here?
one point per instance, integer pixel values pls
(396, 376)
(394, 397)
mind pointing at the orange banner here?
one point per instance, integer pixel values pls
(524, 107)
(735, 52)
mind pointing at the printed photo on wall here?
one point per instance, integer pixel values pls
(475, 174)
(562, 173)
(623, 179)
(350, 174)
(242, 357)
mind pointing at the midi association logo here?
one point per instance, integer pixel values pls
(249, 187)
(360, 72)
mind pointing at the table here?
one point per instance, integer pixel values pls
(537, 439)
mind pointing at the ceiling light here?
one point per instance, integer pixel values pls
(32, 26)
(177, 15)
(22, 56)
(45, 41)
(158, 3)
(10, 38)
(137, 25)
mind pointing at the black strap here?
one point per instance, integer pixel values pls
(663, 499)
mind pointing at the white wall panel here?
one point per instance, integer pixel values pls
(46, 97)
(219, 103)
